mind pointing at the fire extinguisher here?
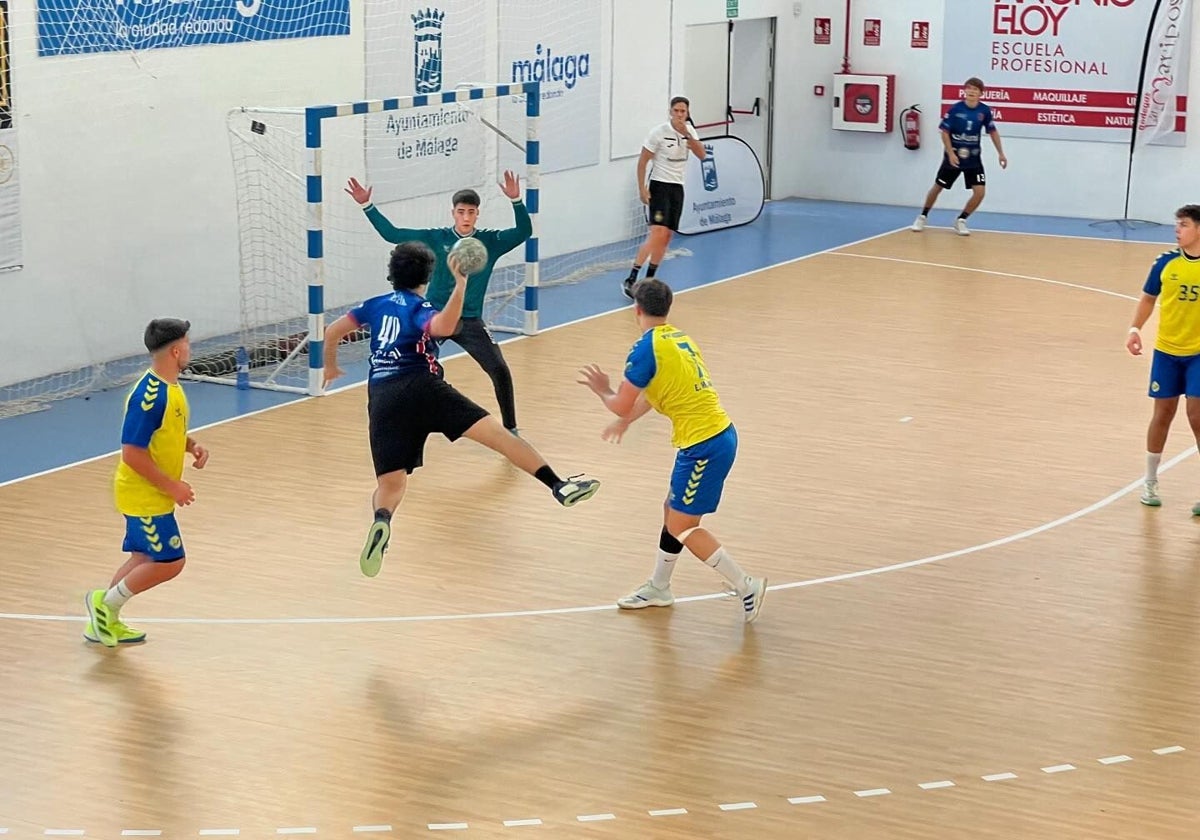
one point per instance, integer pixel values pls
(910, 124)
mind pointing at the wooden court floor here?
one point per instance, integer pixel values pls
(976, 630)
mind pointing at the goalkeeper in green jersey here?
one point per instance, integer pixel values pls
(472, 335)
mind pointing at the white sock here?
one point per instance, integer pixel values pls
(117, 596)
(664, 565)
(729, 569)
(1152, 461)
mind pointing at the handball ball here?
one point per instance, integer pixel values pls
(471, 254)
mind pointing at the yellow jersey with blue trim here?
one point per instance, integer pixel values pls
(156, 419)
(666, 363)
(1175, 280)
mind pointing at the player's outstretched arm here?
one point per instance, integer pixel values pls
(511, 237)
(389, 232)
(620, 402)
(445, 322)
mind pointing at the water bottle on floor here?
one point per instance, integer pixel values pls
(243, 369)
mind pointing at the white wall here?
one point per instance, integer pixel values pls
(1048, 177)
(128, 200)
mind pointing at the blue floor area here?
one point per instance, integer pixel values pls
(88, 427)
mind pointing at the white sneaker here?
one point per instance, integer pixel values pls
(1150, 494)
(752, 598)
(919, 224)
(647, 595)
(960, 226)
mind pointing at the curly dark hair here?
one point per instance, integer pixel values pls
(410, 265)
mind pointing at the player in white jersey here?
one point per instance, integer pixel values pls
(667, 145)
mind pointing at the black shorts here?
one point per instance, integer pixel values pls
(405, 410)
(972, 178)
(666, 204)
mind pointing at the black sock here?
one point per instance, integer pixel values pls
(383, 515)
(963, 214)
(650, 271)
(547, 476)
(668, 543)
(925, 212)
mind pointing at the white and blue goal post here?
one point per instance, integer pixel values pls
(315, 118)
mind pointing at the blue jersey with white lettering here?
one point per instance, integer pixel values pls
(966, 125)
(400, 340)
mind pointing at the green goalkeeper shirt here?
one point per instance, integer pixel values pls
(441, 240)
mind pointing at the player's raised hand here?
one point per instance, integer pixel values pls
(460, 278)
(596, 380)
(1134, 343)
(358, 192)
(511, 186)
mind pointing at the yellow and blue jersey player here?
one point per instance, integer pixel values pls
(665, 371)
(148, 483)
(1173, 283)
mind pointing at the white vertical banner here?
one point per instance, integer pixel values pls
(10, 196)
(558, 45)
(415, 48)
(1068, 70)
(1160, 116)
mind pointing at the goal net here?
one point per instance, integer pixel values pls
(309, 253)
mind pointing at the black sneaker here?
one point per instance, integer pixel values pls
(575, 490)
(627, 286)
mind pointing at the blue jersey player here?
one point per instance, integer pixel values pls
(408, 399)
(962, 130)
(665, 371)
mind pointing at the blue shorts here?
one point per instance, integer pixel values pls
(700, 473)
(155, 536)
(1171, 376)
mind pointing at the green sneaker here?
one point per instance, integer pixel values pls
(125, 635)
(103, 618)
(371, 559)
(1196, 509)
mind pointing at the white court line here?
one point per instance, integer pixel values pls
(447, 826)
(805, 800)
(861, 573)
(738, 806)
(999, 777)
(307, 829)
(936, 785)
(1059, 768)
(347, 387)
(863, 794)
(64, 832)
(994, 273)
(596, 817)
(140, 832)
(1114, 759)
(1168, 750)
(372, 828)
(516, 823)
(668, 812)
(220, 832)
